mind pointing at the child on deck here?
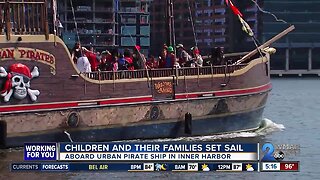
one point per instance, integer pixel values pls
(114, 60)
(170, 58)
(104, 56)
(162, 57)
(129, 60)
(152, 63)
(122, 65)
(197, 59)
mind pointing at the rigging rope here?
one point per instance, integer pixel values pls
(267, 12)
(193, 29)
(140, 54)
(74, 19)
(173, 27)
(256, 42)
(245, 26)
(125, 25)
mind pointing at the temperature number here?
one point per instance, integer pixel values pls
(289, 166)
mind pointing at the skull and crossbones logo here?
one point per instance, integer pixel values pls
(18, 82)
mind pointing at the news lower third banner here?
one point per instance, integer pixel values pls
(120, 151)
(134, 167)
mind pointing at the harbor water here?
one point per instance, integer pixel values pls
(292, 116)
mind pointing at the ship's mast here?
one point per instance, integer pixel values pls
(170, 23)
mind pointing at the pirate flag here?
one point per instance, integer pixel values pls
(245, 26)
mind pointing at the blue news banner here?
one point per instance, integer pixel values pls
(152, 156)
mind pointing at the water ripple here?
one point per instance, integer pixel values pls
(267, 127)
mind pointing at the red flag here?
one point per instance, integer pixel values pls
(233, 8)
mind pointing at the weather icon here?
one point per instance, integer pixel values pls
(205, 167)
(161, 167)
(249, 167)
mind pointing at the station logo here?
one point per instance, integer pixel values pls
(278, 152)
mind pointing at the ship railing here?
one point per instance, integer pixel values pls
(22, 17)
(163, 72)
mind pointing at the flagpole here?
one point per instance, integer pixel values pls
(54, 8)
(266, 44)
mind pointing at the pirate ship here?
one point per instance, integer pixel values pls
(44, 96)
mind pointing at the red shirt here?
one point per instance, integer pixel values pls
(93, 60)
(130, 63)
(152, 64)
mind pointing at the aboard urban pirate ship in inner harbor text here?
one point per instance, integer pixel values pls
(44, 96)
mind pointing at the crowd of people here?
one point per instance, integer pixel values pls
(87, 60)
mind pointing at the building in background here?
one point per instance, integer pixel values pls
(105, 24)
(134, 24)
(182, 20)
(211, 22)
(299, 50)
(251, 14)
(214, 25)
(96, 23)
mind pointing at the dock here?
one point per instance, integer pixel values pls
(280, 73)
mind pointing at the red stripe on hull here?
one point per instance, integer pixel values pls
(130, 100)
(244, 91)
(184, 96)
(225, 93)
(38, 107)
(134, 100)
